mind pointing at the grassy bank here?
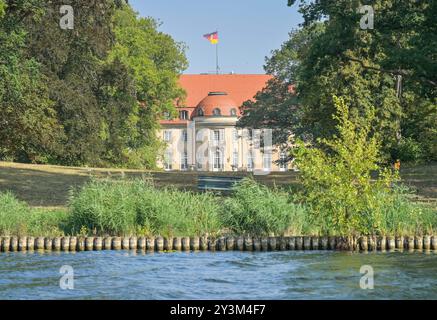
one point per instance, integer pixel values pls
(48, 186)
(138, 207)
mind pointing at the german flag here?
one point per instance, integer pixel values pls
(212, 37)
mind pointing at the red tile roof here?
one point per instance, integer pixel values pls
(239, 87)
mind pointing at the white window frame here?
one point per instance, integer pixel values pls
(167, 135)
(184, 161)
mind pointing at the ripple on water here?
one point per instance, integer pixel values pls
(218, 275)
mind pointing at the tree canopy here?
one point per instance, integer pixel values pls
(391, 68)
(90, 95)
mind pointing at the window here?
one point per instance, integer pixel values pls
(216, 112)
(184, 135)
(233, 112)
(183, 115)
(167, 115)
(235, 159)
(218, 163)
(184, 161)
(168, 160)
(234, 134)
(216, 135)
(250, 161)
(167, 135)
(267, 159)
(200, 112)
(283, 161)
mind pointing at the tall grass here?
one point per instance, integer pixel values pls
(137, 207)
(128, 207)
(17, 218)
(255, 209)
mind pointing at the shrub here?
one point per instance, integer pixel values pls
(339, 189)
(255, 209)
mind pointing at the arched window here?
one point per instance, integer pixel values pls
(216, 112)
(200, 112)
(233, 112)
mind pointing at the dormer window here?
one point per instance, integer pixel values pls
(216, 112)
(200, 112)
(233, 112)
(183, 115)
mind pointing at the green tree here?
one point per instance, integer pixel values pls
(28, 123)
(155, 61)
(391, 68)
(337, 179)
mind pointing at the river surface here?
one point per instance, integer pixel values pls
(219, 275)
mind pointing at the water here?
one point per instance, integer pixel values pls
(220, 275)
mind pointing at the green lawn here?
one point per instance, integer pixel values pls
(48, 186)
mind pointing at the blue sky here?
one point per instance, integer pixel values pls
(248, 29)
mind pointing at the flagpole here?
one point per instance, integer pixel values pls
(216, 59)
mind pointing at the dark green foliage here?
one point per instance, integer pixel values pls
(85, 96)
(331, 55)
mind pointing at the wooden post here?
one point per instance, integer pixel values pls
(177, 243)
(418, 243)
(81, 244)
(240, 243)
(65, 244)
(307, 243)
(57, 243)
(6, 244)
(73, 243)
(168, 243)
(272, 244)
(22, 244)
(363, 243)
(116, 243)
(125, 243)
(324, 243)
(291, 243)
(257, 244)
(382, 243)
(150, 244)
(299, 243)
(194, 243)
(264, 244)
(399, 242)
(142, 243)
(203, 243)
(221, 244)
(283, 243)
(133, 242)
(212, 244)
(411, 243)
(107, 243)
(48, 244)
(89, 243)
(426, 242)
(39, 243)
(185, 242)
(248, 243)
(30, 243)
(230, 243)
(391, 245)
(98, 243)
(159, 244)
(434, 243)
(14, 244)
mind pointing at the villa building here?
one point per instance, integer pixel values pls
(204, 137)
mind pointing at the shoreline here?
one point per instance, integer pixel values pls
(164, 244)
